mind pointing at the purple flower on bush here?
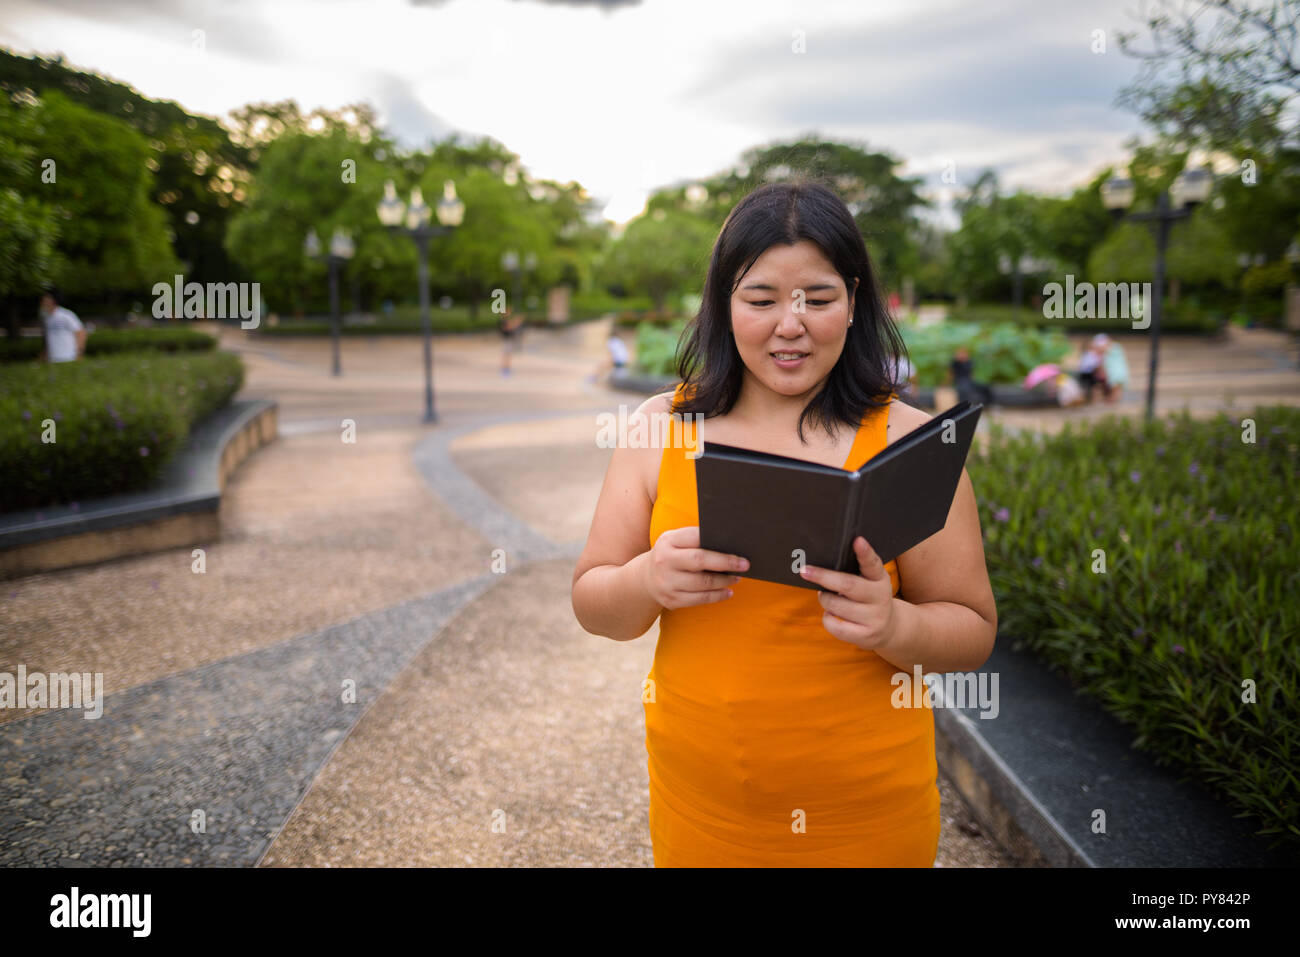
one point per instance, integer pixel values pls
(58, 416)
(1178, 547)
(1037, 562)
(1139, 631)
(1158, 509)
(1179, 649)
(1193, 468)
(1002, 515)
(26, 415)
(144, 450)
(1160, 450)
(1135, 475)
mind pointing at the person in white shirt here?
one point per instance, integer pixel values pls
(65, 336)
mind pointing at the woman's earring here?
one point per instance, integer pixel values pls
(850, 322)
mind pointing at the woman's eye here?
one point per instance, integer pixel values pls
(819, 302)
(762, 302)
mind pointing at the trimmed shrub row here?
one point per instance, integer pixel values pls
(104, 342)
(1195, 605)
(115, 421)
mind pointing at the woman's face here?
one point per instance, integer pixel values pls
(791, 303)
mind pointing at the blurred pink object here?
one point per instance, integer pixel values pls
(1039, 374)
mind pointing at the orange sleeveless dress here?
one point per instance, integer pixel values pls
(771, 742)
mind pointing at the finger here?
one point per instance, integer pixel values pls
(688, 536)
(868, 561)
(690, 598)
(703, 560)
(846, 630)
(840, 582)
(704, 581)
(844, 608)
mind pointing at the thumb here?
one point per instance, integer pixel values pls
(868, 561)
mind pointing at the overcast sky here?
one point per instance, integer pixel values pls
(627, 96)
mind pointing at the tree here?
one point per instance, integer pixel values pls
(29, 226)
(995, 230)
(882, 203)
(199, 174)
(1222, 72)
(113, 240)
(318, 182)
(661, 253)
(498, 217)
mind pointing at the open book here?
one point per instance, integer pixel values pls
(782, 513)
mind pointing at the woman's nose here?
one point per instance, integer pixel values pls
(791, 324)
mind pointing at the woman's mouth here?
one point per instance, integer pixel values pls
(788, 360)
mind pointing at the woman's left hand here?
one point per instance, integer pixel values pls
(859, 608)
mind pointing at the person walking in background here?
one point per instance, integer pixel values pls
(511, 328)
(961, 374)
(65, 336)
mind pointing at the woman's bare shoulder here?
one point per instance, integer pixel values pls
(648, 458)
(903, 419)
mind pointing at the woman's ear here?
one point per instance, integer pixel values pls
(853, 290)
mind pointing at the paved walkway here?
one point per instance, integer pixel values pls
(350, 682)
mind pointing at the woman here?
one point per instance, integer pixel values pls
(771, 729)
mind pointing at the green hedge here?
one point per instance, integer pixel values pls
(104, 342)
(117, 420)
(1202, 568)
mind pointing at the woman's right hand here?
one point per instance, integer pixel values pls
(679, 573)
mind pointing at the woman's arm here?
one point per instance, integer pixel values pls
(621, 585)
(610, 597)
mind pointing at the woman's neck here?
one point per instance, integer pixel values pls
(768, 412)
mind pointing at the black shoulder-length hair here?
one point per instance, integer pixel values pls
(709, 364)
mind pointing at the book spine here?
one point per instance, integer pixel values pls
(861, 501)
(851, 505)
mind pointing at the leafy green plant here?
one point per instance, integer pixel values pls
(115, 421)
(656, 347)
(1197, 601)
(1002, 353)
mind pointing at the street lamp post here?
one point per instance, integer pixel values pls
(1190, 188)
(340, 251)
(417, 214)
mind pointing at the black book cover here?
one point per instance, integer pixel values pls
(781, 512)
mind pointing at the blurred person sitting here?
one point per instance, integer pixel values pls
(65, 336)
(1115, 365)
(1091, 371)
(961, 374)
